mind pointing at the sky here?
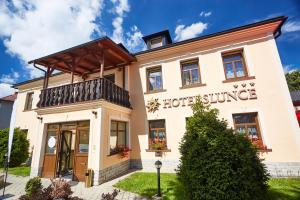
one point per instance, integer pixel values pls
(30, 29)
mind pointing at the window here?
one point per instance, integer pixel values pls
(154, 79)
(234, 65)
(156, 42)
(28, 102)
(51, 142)
(117, 136)
(190, 72)
(157, 135)
(110, 77)
(247, 124)
(83, 143)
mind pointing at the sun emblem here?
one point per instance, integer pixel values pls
(153, 105)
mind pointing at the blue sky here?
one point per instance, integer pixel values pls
(33, 28)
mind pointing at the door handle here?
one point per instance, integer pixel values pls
(83, 163)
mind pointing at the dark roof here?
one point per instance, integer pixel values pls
(165, 33)
(282, 18)
(295, 96)
(9, 97)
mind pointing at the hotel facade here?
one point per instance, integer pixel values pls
(107, 100)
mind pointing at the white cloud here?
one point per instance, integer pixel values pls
(183, 32)
(291, 26)
(134, 40)
(5, 89)
(10, 78)
(289, 68)
(34, 28)
(205, 14)
(120, 8)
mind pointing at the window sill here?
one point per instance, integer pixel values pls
(155, 91)
(264, 150)
(153, 150)
(193, 85)
(238, 79)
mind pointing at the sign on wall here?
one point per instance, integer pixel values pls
(241, 93)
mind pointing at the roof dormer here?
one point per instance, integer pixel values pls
(158, 39)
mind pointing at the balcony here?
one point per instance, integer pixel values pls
(90, 90)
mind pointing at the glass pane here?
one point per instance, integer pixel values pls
(51, 142)
(252, 132)
(186, 78)
(113, 125)
(53, 126)
(229, 70)
(122, 138)
(232, 57)
(84, 124)
(158, 84)
(83, 146)
(157, 124)
(241, 129)
(244, 118)
(121, 126)
(189, 66)
(157, 42)
(239, 69)
(195, 76)
(113, 139)
(155, 80)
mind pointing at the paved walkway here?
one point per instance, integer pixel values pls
(17, 185)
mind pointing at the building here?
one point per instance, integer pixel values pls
(107, 99)
(6, 105)
(295, 95)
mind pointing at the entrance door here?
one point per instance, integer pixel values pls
(65, 156)
(49, 165)
(81, 154)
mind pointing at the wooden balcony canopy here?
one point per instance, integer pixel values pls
(95, 56)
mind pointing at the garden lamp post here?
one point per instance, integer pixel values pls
(158, 165)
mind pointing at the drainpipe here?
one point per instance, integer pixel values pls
(45, 76)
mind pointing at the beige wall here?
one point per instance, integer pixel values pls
(277, 120)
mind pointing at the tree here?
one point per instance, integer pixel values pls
(293, 80)
(218, 163)
(20, 146)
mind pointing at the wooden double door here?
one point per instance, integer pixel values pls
(66, 150)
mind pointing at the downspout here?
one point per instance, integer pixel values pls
(45, 76)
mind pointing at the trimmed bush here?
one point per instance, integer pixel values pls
(218, 163)
(33, 186)
(20, 146)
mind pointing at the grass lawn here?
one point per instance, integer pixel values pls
(145, 184)
(19, 171)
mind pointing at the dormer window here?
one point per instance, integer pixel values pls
(156, 42)
(159, 39)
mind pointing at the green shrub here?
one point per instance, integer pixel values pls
(20, 146)
(33, 186)
(216, 162)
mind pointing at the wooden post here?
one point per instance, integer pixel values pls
(123, 76)
(102, 64)
(73, 65)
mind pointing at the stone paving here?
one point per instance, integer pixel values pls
(17, 184)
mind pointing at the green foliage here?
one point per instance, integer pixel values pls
(33, 186)
(20, 146)
(216, 162)
(293, 80)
